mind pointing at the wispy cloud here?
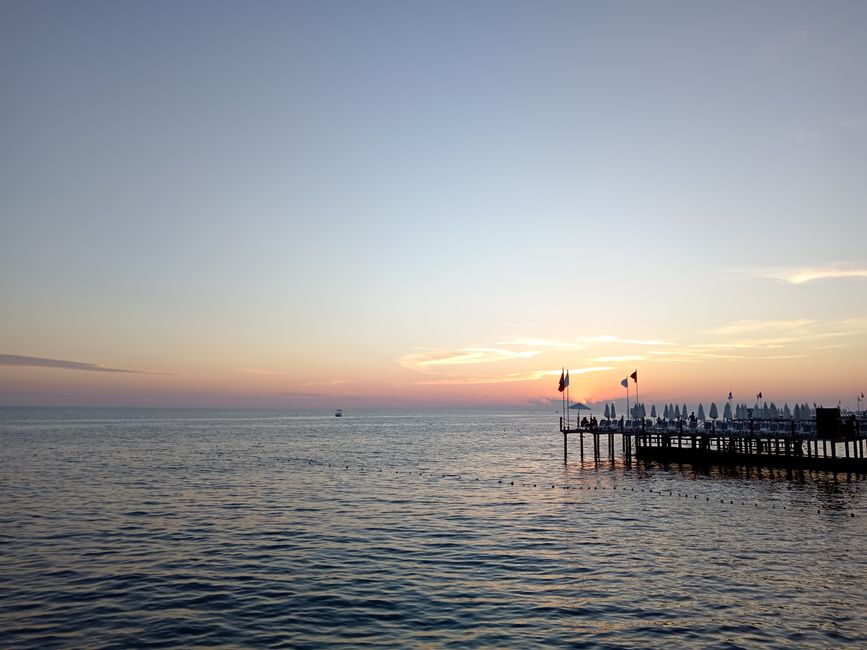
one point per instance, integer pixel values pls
(582, 371)
(760, 340)
(428, 360)
(532, 375)
(771, 342)
(853, 325)
(744, 326)
(548, 344)
(617, 359)
(40, 362)
(580, 343)
(745, 344)
(804, 274)
(611, 338)
(261, 371)
(684, 356)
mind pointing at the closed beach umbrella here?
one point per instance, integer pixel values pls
(613, 413)
(714, 414)
(607, 412)
(797, 412)
(676, 412)
(665, 412)
(683, 411)
(653, 411)
(701, 412)
(727, 411)
(786, 412)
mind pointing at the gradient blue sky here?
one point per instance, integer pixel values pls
(289, 203)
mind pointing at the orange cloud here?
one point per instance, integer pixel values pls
(424, 361)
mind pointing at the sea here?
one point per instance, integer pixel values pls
(139, 528)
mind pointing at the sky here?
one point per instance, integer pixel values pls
(442, 204)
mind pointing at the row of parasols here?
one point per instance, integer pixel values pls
(739, 412)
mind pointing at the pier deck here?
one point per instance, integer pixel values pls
(778, 444)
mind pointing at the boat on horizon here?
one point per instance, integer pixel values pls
(338, 413)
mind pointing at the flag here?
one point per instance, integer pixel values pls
(562, 385)
(566, 382)
(759, 396)
(625, 383)
(730, 395)
(862, 395)
(634, 376)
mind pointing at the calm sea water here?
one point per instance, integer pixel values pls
(141, 528)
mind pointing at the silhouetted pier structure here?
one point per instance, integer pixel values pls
(829, 442)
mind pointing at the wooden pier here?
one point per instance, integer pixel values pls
(830, 443)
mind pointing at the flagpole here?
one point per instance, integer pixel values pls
(627, 399)
(568, 404)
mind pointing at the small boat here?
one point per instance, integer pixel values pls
(338, 413)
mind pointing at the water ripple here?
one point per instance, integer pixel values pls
(151, 529)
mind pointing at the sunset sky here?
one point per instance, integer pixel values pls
(366, 204)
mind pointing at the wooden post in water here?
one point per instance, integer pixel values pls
(564, 446)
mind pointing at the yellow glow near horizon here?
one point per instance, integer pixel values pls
(797, 360)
